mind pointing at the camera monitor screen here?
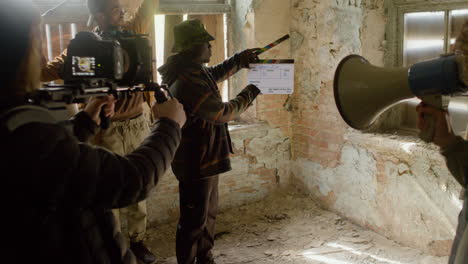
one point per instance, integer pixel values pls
(83, 66)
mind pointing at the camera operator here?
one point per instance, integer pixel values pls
(57, 191)
(455, 151)
(204, 151)
(129, 126)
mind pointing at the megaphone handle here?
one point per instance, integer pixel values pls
(437, 101)
(428, 134)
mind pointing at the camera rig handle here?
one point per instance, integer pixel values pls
(150, 87)
(158, 92)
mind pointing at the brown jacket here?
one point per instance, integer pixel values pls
(125, 108)
(206, 144)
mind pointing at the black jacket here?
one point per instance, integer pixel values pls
(58, 193)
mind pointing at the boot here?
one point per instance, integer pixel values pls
(142, 252)
(206, 260)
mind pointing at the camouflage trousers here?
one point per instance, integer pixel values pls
(122, 137)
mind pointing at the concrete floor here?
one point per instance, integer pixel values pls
(286, 228)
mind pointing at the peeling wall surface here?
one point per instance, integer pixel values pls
(399, 187)
(262, 150)
(260, 165)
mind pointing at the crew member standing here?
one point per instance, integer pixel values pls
(129, 126)
(205, 147)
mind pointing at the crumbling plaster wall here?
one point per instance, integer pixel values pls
(256, 23)
(262, 152)
(396, 186)
(261, 160)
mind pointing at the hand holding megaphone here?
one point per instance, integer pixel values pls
(442, 129)
(363, 91)
(429, 134)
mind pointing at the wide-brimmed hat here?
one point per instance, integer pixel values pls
(189, 33)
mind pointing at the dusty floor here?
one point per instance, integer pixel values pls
(291, 229)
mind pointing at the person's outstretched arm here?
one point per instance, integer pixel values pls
(203, 101)
(50, 71)
(93, 177)
(232, 65)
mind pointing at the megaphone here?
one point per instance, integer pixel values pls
(363, 91)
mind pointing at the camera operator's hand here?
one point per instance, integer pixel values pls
(171, 109)
(248, 56)
(461, 48)
(443, 132)
(96, 104)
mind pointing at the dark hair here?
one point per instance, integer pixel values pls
(96, 6)
(17, 19)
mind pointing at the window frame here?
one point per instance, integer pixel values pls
(226, 85)
(194, 7)
(395, 27)
(392, 120)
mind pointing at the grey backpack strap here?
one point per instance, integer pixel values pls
(22, 115)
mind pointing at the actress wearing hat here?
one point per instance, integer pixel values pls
(206, 144)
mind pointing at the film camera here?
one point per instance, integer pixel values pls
(117, 62)
(118, 57)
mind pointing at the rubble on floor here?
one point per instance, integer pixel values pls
(287, 227)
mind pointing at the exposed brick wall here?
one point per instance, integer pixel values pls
(396, 186)
(256, 24)
(317, 129)
(271, 108)
(260, 165)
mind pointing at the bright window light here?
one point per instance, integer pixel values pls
(460, 106)
(49, 42)
(185, 17)
(424, 44)
(359, 253)
(326, 260)
(423, 14)
(407, 147)
(159, 24)
(74, 30)
(461, 12)
(457, 202)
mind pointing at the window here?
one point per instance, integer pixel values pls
(194, 6)
(59, 29)
(215, 24)
(56, 37)
(420, 31)
(427, 35)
